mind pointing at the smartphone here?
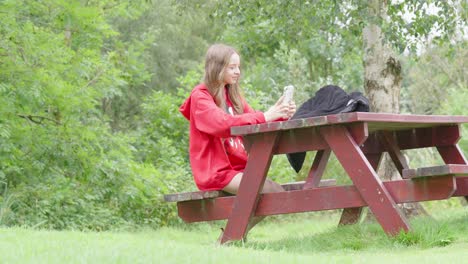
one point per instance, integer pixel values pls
(288, 93)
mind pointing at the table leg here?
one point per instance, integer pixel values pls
(452, 155)
(317, 169)
(388, 140)
(246, 200)
(350, 216)
(365, 179)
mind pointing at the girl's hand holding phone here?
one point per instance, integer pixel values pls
(284, 108)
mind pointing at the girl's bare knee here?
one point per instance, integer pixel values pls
(268, 187)
(233, 185)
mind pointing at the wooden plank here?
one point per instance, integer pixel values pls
(351, 216)
(310, 139)
(318, 199)
(199, 195)
(376, 121)
(306, 139)
(275, 126)
(390, 143)
(247, 197)
(452, 154)
(188, 196)
(359, 131)
(398, 118)
(414, 138)
(299, 140)
(317, 169)
(462, 186)
(300, 185)
(449, 169)
(366, 180)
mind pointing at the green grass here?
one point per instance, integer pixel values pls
(300, 239)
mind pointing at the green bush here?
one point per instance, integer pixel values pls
(63, 162)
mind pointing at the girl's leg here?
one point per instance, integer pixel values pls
(269, 186)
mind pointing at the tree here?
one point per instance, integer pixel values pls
(383, 71)
(439, 71)
(371, 31)
(61, 165)
(382, 82)
(164, 42)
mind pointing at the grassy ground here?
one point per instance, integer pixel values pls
(307, 238)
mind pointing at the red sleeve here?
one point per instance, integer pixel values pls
(211, 119)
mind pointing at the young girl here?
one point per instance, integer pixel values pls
(217, 158)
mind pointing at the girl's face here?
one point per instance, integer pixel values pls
(232, 71)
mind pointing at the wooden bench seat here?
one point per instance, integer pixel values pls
(200, 195)
(444, 170)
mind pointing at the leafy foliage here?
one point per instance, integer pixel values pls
(62, 65)
(326, 35)
(312, 32)
(436, 84)
(90, 135)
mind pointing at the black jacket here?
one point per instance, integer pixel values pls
(328, 100)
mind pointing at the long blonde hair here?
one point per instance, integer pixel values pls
(216, 61)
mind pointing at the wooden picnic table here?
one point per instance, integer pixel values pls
(358, 140)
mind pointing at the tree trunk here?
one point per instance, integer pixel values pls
(382, 83)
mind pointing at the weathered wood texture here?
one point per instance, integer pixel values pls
(199, 195)
(390, 142)
(310, 139)
(462, 187)
(452, 154)
(318, 199)
(440, 136)
(365, 179)
(250, 186)
(351, 216)
(376, 121)
(449, 169)
(317, 169)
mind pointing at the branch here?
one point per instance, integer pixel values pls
(444, 68)
(94, 79)
(38, 119)
(106, 7)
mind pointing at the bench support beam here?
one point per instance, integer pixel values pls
(452, 154)
(365, 179)
(324, 198)
(317, 169)
(351, 216)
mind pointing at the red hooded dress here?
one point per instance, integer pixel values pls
(215, 156)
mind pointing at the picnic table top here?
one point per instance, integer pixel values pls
(376, 121)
